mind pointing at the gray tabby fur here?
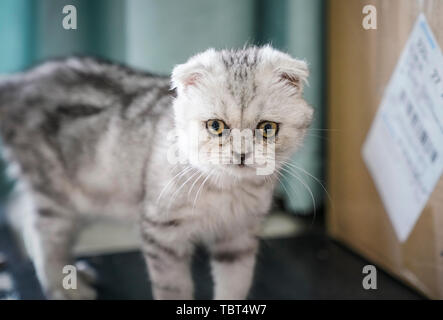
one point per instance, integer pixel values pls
(87, 138)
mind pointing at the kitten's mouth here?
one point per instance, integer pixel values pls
(241, 166)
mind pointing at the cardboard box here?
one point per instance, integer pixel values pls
(360, 64)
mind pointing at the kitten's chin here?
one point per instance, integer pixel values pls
(234, 173)
(239, 172)
(230, 176)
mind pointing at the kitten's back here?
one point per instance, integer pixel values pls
(53, 116)
(72, 87)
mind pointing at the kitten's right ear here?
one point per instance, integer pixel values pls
(191, 73)
(185, 76)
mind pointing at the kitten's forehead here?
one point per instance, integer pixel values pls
(240, 59)
(240, 66)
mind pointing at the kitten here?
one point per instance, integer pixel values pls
(90, 138)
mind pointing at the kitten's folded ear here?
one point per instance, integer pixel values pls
(184, 76)
(289, 72)
(192, 72)
(293, 73)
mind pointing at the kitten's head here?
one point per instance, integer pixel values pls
(239, 112)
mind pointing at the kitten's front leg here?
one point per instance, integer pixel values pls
(169, 262)
(232, 262)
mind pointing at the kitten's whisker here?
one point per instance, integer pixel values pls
(176, 192)
(317, 136)
(186, 169)
(294, 166)
(193, 184)
(322, 129)
(307, 188)
(199, 189)
(289, 185)
(282, 184)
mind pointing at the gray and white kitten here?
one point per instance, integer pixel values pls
(89, 138)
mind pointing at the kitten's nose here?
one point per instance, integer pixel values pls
(242, 159)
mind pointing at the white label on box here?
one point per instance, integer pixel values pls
(404, 147)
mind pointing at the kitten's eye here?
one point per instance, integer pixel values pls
(216, 127)
(269, 128)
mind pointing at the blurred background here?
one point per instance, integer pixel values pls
(316, 243)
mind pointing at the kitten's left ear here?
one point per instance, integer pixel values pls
(293, 73)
